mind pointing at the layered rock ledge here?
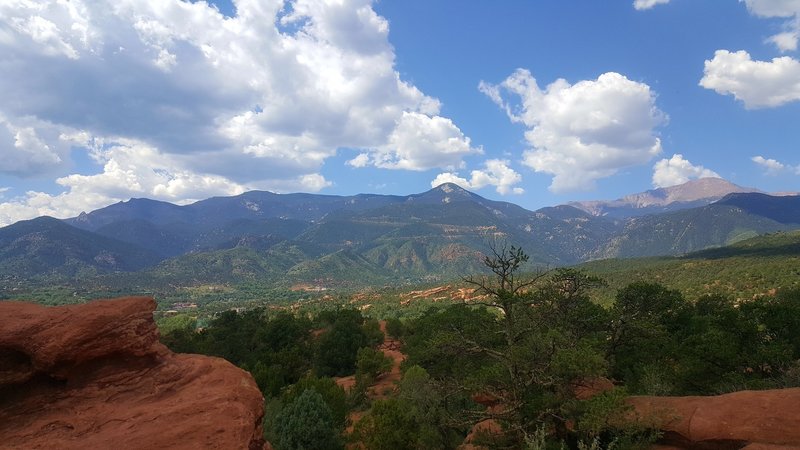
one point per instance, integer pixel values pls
(96, 376)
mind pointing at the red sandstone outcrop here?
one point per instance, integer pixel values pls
(756, 420)
(486, 430)
(482, 431)
(440, 293)
(96, 376)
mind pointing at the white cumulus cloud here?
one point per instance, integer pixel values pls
(359, 161)
(263, 98)
(789, 9)
(420, 142)
(786, 41)
(31, 147)
(758, 84)
(647, 4)
(677, 170)
(496, 172)
(773, 8)
(774, 167)
(583, 132)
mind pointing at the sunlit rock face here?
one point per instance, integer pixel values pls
(96, 376)
(756, 419)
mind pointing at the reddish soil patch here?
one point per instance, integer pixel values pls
(347, 382)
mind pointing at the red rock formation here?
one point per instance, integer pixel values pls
(755, 419)
(484, 430)
(96, 376)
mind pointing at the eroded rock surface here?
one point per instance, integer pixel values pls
(751, 419)
(96, 376)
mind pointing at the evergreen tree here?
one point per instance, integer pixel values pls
(306, 424)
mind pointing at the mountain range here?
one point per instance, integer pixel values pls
(364, 239)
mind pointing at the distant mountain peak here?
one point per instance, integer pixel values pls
(692, 190)
(444, 193)
(693, 193)
(450, 188)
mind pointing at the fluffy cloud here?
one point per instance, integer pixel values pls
(583, 132)
(758, 84)
(420, 142)
(261, 98)
(773, 8)
(790, 9)
(496, 173)
(786, 41)
(135, 169)
(31, 147)
(774, 167)
(641, 5)
(676, 170)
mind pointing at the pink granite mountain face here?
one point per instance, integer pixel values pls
(96, 376)
(692, 193)
(693, 190)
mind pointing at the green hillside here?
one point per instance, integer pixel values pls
(687, 231)
(340, 269)
(48, 247)
(744, 270)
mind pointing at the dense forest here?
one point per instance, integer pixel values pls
(520, 354)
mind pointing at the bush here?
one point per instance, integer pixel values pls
(337, 348)
(333, 395)
(395, 328)
(371, 362)
(306, 424)
(372, 330)
(390, 425)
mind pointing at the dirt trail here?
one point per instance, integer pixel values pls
(386, 383)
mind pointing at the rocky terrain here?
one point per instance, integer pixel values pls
(96, 376)
(752, 420)
(744, 419)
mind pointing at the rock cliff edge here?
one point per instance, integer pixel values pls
(96, 376)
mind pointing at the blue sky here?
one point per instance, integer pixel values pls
(533, 102)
